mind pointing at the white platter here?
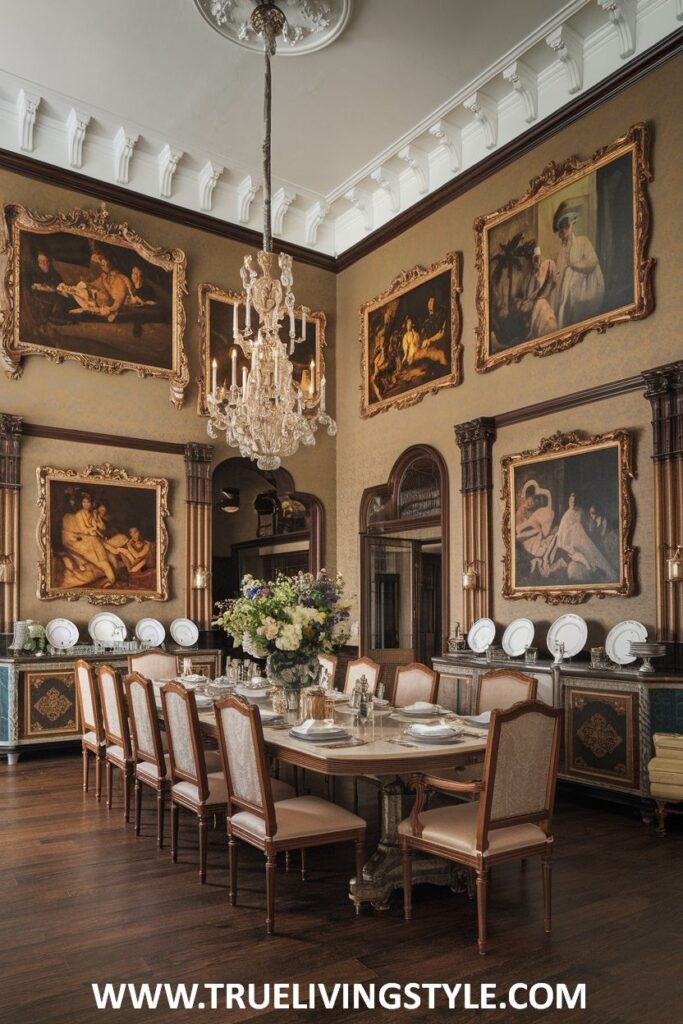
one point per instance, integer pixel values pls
(481, 635)
(150, 631)
(61, 633)
(618, 642)
(570, 630)
(103, 627)
(517, 637)
(184, 632)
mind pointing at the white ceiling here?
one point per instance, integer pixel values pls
(155, 68)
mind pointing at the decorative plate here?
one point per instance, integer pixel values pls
(570, 630)
(184, 632)
(61, 633)
(618, 642)
(105, 628)
(481, 635)
(150, 631)
(517, 637)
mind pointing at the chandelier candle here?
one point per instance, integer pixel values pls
(271, 414)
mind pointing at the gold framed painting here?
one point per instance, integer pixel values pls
(102, 536)
(216, 321)
(410, 337)
(80, 286)
(568, 257)
(567, 519)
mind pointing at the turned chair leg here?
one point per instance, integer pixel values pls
(547, 891)
(407, 883)
(270, 893)
(138, 806)
(303, 865)
(109, 784)
(98, 776)
(482, 884)
(360, 861)
(175, 813)
(160, 819)
(203, 822)
(127, 779)
(232, 868)
(661, 817)
(86, 768)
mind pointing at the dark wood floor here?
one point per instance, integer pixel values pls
(82, 900)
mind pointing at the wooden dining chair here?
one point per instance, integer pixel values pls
(254, 817)
(152, 766)
(154, 664)
(502, 688)
(329, 663)
(512, 820)
(415, 682)
(119, 750)
(93, 740)
(358, 668)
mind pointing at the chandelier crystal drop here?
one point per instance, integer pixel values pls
(266, 413)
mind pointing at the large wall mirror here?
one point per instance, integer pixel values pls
(262, 525)
(404, 561)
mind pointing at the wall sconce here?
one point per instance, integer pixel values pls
(200, 577)
(6, 569)
(230, 499)
(470, 577)
(674, 566)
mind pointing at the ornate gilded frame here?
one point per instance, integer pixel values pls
(208, 293)
(550, 448)
(110, 476)
(553, 178)
(96, 225)
(405, 282)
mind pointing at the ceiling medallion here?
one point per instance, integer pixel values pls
(311, 24)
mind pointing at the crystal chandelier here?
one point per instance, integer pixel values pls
(267, 414)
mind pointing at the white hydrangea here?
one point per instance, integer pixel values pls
(302, 616)
(289, 638)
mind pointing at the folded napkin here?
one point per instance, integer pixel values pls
(481, 721)
(420, 705)
(312, 725)
(421, 729)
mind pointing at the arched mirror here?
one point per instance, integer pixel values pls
(262, 525)
(404, 560)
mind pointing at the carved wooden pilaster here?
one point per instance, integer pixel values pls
(10, 466)
(664, 391)
(475, 441)
(198, 530)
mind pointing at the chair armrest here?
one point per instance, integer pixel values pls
(452, 786)
(423, 783)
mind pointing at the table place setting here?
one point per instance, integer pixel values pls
(420, 709)
(435, 732)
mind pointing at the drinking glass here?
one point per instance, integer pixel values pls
(597, 657)
(530, 655)
(186, 667)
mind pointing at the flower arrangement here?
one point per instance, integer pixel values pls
(289, 620)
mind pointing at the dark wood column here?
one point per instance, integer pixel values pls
(10, 466)
(198, 520)
(475, 441)
(664, 390)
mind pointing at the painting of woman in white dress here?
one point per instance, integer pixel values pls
(104, 537)
(567, 257)
(569, 516)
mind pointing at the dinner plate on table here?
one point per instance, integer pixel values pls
(433, 734)
(61, 633)
(252, 693)
(570, 630)
(150, 631)
(481, 635)
(517, 637)
(619, 639)
(105, 627)
(190, 682)
(320, 735)
(421, 709)
(184, 632)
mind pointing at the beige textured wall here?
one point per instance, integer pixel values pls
(68, 395)
(367, 449)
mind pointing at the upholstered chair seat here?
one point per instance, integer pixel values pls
(512, 820)
(93, 741)
(119, 753)
(255, 818)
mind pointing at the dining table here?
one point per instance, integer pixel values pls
(380, 748)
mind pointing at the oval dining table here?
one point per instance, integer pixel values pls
(381, 749)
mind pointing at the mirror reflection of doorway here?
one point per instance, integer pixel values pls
(404, 561)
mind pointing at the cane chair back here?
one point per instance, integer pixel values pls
(240, 739)
(154, 664)
(114, 709)
(358, 668)
(89, 701)
(184, 738)
(502, 688)
(415, 682)
(144, 721)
